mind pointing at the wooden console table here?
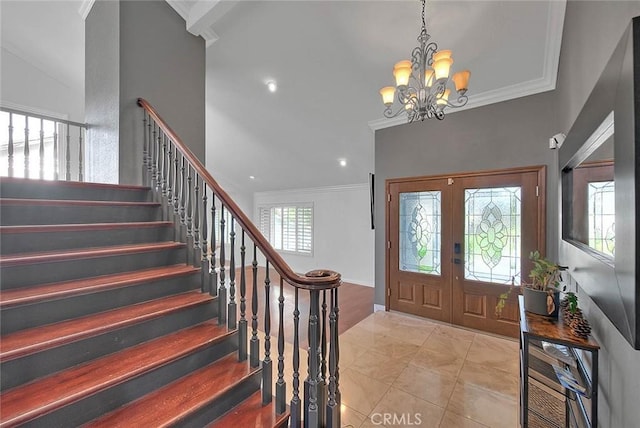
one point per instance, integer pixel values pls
(542, 396)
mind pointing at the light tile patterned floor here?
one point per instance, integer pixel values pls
(426, 374)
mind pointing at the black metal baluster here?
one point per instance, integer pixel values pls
(254, 343)
(41, 152)
(295, 407)
(157, 163)
(145, 148)
(337, 311)
(213, 285)
(10, 147)
(312, 417)
(152, 149)
(80, 156)
(222, 291)
(267, 380)
(176, 196)
(232, 321)
(322, 386)
(189, 213)
(242, 325)
(26, 146)
(149, 152)
(68, 154)
(333, 405)
(183, 199)
(169, 202)
(196, 220)
(56, 166)
(281, 386)
(162, 167)
(204, 252)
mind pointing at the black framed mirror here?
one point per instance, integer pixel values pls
(600, 170)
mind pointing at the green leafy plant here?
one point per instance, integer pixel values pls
(573, 302)
(545, 276)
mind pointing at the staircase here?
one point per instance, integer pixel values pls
(103, 321)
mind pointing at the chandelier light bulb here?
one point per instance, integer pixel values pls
(461, 80)
(388, 92)
(272, 86)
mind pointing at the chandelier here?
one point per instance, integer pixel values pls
(421, 84)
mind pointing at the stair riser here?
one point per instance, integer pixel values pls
(14, 243)
(25, 369)
(66, 270)
(33, 315)
(225, 403)
(105, 401)
(36, 189)
(18, 214)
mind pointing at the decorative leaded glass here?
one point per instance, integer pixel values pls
(493, 234)
(602, 216)
(420, 235)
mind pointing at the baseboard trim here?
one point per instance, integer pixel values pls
(378, 308)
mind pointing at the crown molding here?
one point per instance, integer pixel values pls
(85, 8)
(547, 82)
(179, 7)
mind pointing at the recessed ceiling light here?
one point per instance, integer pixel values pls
(272, 86)
(252, 177)
(343, 162)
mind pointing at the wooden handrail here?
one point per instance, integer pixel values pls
(315, 280)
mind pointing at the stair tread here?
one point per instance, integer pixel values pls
(85, 253)
(168, 405)
(26, 402)
(74, 184)
(73, 227)
(27, 295)
(29, 341)
(251, 413)
(75, 202)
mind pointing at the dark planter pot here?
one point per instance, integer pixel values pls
(535, 301)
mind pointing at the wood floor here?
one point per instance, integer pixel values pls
(354, 301)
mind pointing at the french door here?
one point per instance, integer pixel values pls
(455, 243)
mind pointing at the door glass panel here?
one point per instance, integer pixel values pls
(492, 236)
(420, 234)
(602, 216)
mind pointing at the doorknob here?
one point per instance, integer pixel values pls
(457, 261)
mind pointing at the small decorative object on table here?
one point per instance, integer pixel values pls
(573, 317)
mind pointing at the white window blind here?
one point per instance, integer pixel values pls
(288, 227)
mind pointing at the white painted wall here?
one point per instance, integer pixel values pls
(26, 86)
(342, 235)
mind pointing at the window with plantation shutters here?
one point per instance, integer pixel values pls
(289, 228)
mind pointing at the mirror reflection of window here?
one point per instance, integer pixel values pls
(593, 212)
(602, 216)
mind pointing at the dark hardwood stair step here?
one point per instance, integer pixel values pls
(30, 341)
(169, 405)
(43, 396)
(85, 253)
(23, 296)
(251, 413)
(82, 227)
(74, 203)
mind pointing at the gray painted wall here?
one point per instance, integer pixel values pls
(141, 49)
(102, 99)
(591, 33)
(498, 136)
(163, 63)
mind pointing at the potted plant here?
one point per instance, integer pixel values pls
(542, 294)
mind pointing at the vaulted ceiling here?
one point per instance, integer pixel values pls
(329, 58)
